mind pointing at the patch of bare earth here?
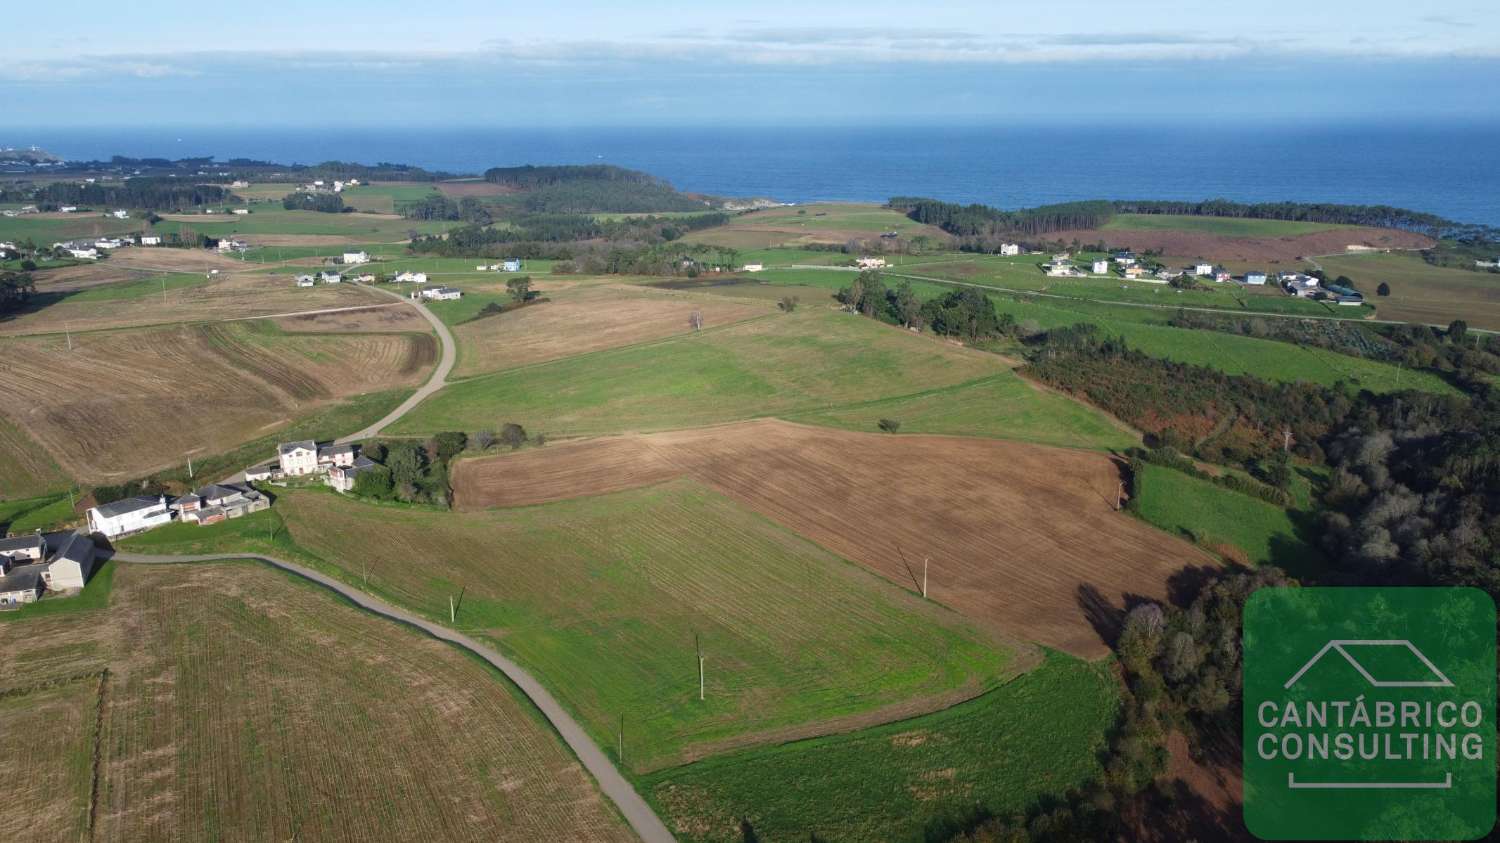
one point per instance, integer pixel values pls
(383, 318)
(1021, 538)
(460, 189)
(590, 318)
(1242, 250)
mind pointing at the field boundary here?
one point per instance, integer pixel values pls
(632, 806)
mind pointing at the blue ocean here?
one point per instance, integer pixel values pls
(1452, 170)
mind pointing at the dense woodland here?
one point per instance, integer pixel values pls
(980, 223)
(543, 232)
(157, 194)
(328, 203)
(589, 189)
(16, 288)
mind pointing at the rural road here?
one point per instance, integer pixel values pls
(646, 823)
(437, 381)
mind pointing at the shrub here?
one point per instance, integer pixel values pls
(889, 425)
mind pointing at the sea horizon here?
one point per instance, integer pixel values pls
(1447, 170)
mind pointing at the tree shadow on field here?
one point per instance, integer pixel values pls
(1188, 582)
(1107, 619)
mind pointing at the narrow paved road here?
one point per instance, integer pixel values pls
(635, 810)
(439, 376)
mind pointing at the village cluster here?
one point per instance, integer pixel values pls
(1124, 264)
(63, 562)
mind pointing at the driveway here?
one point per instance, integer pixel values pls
(439, 375)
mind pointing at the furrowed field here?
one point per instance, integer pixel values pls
(332, 724)
(1421, 292)
(924, 778)
(603, 597)
(99, 408)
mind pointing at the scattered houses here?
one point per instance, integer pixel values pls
(131, 515)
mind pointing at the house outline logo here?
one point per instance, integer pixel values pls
(1338, 645)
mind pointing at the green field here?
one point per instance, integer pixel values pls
(1227, 226)
(270, 219)
(813, 359)
(602, 598)
(157, 285)
(1211, 514)
(1003, 406)
(386, 198)
(46, 231)
(1421, 292)
(919, 779)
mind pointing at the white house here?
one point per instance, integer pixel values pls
(330, 277)
(107, 243)
(72, 561)
(68, 209)
(121, 214)
(1203, 269)
(306, 280)
(1061, 266)
(240, 212)
(298, 458)
(239, 183)
(440, 294)
(83, 253)
(510, 265)
(1299, 285)
(353, 258)
(131, 515)
(753, 267)
(330, 456)
(1255, 278)
(21, 550)
(231, 245)
(870, 263)
(21, 586)
(1134, 271)
(150, 240)
(410, 277)
(1010, 249)
(1101, 267)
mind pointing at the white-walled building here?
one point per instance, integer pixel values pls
(1203, 269)
(410, 277)
(753, 267)
(121, 214)
(298, 458)
(870, 263)
(440, 294)
(1101, 267)
(1010, 249)
(131, 515)
(150, 240)
(354, 258)
(72, 561)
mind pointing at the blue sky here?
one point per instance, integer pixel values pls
(768, 62)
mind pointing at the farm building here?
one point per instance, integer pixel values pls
(410, 277)
(263, 471)
(306, 281)
(1010, 249)
(354, 258)
(21, 586)
(342, 477)
(1345, 295)
(1299, 285)
(1101, 267)
(214, 503)
(1167, 273)
(68, 209)
(150, 240)
(330, 277)
(1255, 278)
(84, 253)
(22, 549)
(1203, 269)
(131, 515)
(510, 265)
(870, 263)
(231, 245)
(72, 561)
(108, 243)
(440, 294)
(121, 215)
(1134, 272)
(753, 267)
(298, 458)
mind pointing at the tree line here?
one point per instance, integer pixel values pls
(16, 289)
(981, 221)
(150, 193)
(327, 203)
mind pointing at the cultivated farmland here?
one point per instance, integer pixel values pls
(1023, 539)
(603, 599)
(822, 223)
(588, 318)
(1421, 292)
(805, 361)
(331, 724)
(100, 409)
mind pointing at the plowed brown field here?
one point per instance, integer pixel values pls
(1021, 537)
(124, 403)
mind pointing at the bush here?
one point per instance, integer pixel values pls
(513, 435)
(889, 425)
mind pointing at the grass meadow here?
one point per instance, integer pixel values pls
(1421, 292)
(1213, 516)
(604, 597)
(925, 778)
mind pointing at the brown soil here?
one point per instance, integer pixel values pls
(384, 319)
(1021, 538)
(588, 319)
(1242, 250)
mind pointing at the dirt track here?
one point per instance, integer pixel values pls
(1020, 537)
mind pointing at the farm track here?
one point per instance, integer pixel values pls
(635, 810)
(438, 380)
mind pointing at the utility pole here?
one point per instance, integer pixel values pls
(620, 751)
(1286, 440)
(698, 645)
(925, 560)
(1120, 497)
(190, 467)
(452, 611)
(68, 331)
